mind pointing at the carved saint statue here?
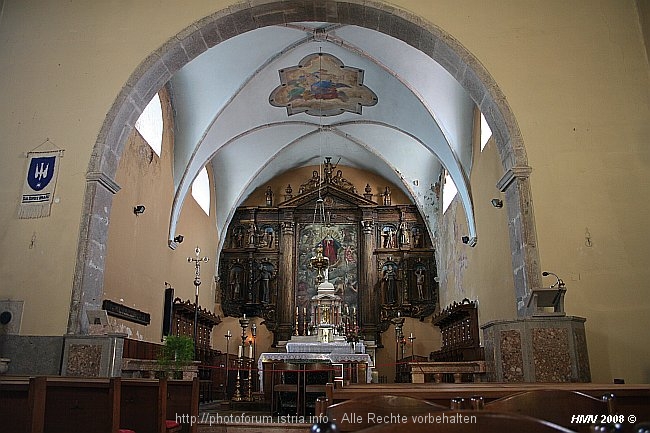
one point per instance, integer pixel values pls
(390, 283)
(265, 275)
(420, 276)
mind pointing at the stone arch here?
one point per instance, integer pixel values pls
(160, 66)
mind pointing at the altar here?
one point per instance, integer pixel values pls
(293, 380)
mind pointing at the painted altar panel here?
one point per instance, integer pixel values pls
(339, 243)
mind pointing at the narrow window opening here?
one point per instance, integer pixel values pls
(150, 124)
(486, 132)
(201, 190)
(449, 191)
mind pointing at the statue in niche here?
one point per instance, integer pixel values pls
(238, 237)
(252, 235)
(404, 234)
(388, 235)
(417, 237)
(234, 279)
(420, 280)
(269, 237)
(389, 280)
(269, 196)
(264, 279)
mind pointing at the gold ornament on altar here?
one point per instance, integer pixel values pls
(320, 263)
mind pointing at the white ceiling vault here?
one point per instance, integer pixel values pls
(422, 120)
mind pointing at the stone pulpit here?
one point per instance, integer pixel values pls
(544, 346)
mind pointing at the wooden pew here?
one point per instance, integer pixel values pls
(64, 404)
(69, 404)
(353, 415)
(554, 405)
(182, 400)
(631, 399)
(14, 403)
(143, 406)
(467, 421)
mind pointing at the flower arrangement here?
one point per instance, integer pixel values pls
(353, 335)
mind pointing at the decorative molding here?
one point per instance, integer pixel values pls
(104, 181)
(512, 174)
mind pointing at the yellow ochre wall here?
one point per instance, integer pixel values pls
(575, 75)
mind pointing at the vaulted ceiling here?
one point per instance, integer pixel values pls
(422, 120)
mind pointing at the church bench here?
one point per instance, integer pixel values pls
(555, 405)
(183, 404)
(630, 399)
(143, 405)
(353, 415)
(468, 421)
(65, 404)
(14, 403)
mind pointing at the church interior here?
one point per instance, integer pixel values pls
(310, 210)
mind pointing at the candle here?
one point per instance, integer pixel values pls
(250, 350)
(239, 353)
(244, 315)
(411, 336)
(229, 334)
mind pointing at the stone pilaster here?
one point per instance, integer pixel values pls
(515, 184)
(88, 284)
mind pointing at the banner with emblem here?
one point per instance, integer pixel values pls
(40, 181)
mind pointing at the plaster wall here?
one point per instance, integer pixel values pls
(139, 261)
(574, 73)
(482, 273)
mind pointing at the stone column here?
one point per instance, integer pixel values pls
(286, 290)
(369, 301)
(515, 184)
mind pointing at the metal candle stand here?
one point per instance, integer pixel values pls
(228, 336)
(399, 337)
(240, 362)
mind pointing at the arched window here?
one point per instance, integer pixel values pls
(449, 191)
(201, 190)
(150, 124)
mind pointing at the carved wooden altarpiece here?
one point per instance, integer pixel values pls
(381, 258)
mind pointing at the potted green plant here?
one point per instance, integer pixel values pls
(176, 353)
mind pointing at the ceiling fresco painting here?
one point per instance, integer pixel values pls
(321, 85)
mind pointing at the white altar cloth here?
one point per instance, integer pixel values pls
(332, 358)
(315, 347)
